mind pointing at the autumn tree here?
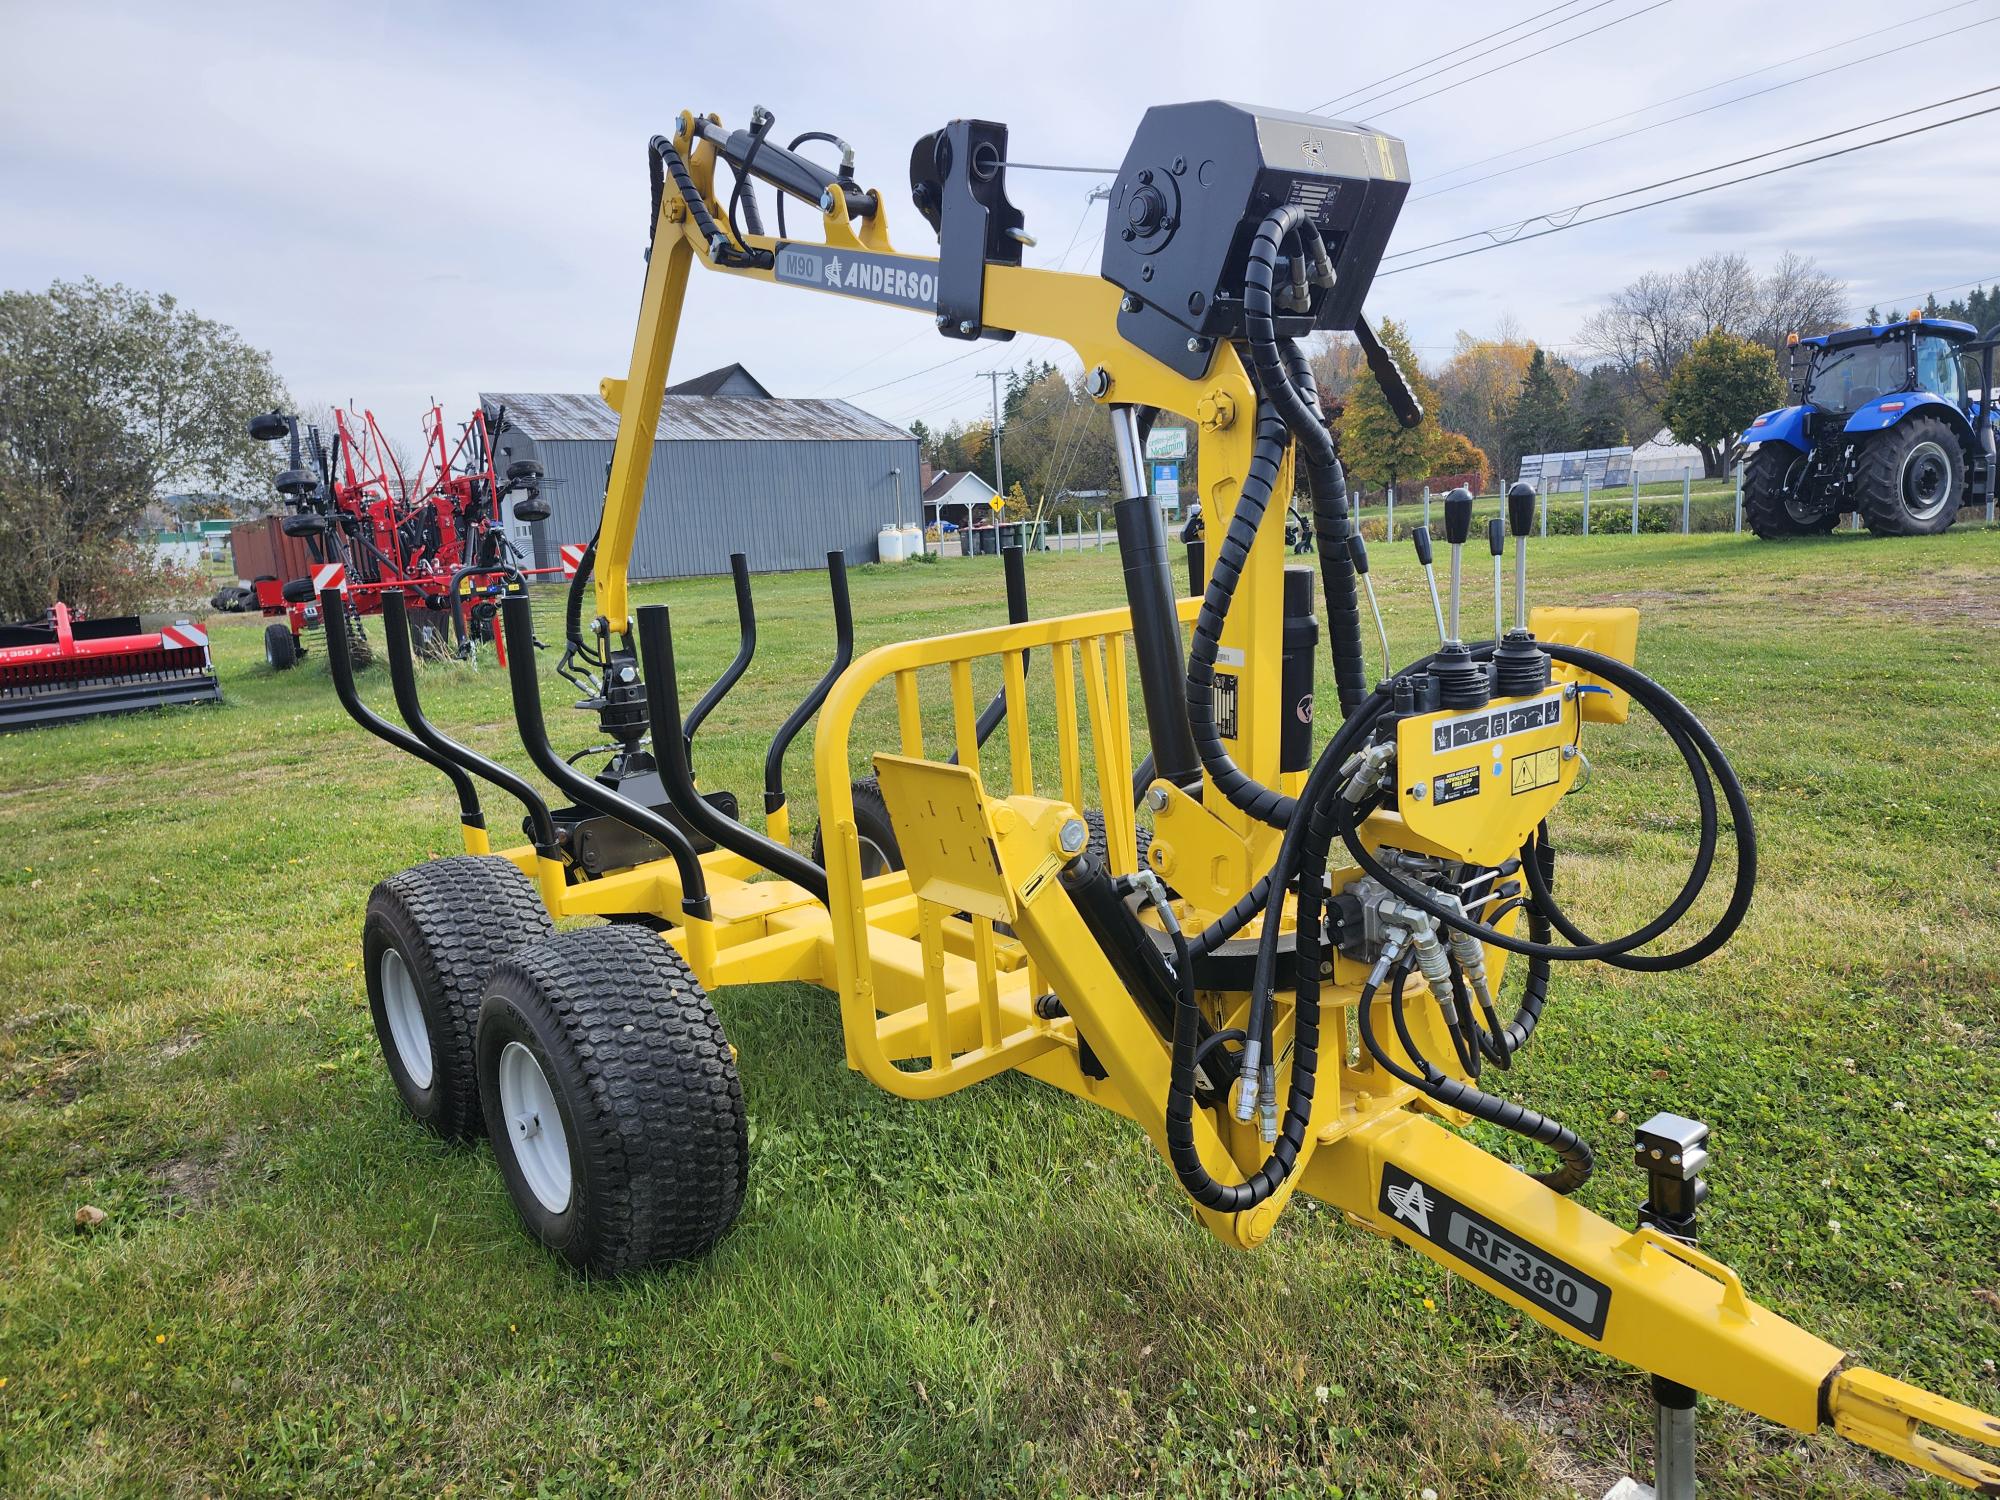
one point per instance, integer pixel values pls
(1721, 383)
(1477, 386)
(1458, 454)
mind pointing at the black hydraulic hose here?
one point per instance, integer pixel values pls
(663, 159)
(341, 664)
(1232, 555)
(573, 602)
(1016, 568)
(843, 653)
(745, 190)
(746, 648)
(403, 676)
(1328, 483)
(1181, 1149)
(1707, 759)
(797, 141)
(656, 651)
(1576, 1161)
(517, 620)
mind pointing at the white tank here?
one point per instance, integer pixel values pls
(889, 544)
(913, 542)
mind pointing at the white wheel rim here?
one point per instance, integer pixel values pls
(534, 1127)
(405, 1012)
(1931, 458)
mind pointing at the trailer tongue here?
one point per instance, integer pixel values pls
(59, 668)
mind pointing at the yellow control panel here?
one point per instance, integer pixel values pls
(1479, 780)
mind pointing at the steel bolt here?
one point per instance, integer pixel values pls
(1128, 303)
(1195, 346)
(1569, 752)
(967, 326)
(1073, 836)
(826, 201)
(1098, 383)
(1156, 799)
(1417, 792)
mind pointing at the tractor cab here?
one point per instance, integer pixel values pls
(1890, 422)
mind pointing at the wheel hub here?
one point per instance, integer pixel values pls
(403, 1008)
(1926, 480)
(541, 1147)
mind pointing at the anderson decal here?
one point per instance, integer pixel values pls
(859, 273)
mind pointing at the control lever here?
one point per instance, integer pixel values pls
(1389, 376)
(1520, 516)
(1496, 539)
(1421, 536)
(1357, 550)
(1457, 529)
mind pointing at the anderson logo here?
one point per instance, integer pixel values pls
(858, 273)
(1409, 1204)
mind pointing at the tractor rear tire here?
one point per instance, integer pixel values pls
(880, 853)
(1911, 479)
(431, 937)
(1768, 481)
(281, 647)
(613, 1101)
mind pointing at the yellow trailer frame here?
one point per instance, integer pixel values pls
(942, 963)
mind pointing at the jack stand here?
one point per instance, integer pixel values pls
(1672, 1150)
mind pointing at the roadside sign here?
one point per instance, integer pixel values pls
(1167, 442)
(1167, 487)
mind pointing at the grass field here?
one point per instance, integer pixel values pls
(297, 1292)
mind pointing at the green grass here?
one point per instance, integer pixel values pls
(297, 1292)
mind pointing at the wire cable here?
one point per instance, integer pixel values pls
(1367, 88)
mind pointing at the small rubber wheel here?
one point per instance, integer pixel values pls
(880, 853)
(1911, 479)
(281, 647)
(614, 1106)
(297, 591)
(304, 523)
(1100, 842)
(432, 934)
(1771, 502)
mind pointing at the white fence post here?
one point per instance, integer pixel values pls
(1100, 531)
(1635, 496)
(1427, 506)
(1586, 501)
(1687, 496)
(1739, 497)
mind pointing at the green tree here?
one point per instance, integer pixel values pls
(1722, 383)
(1540, 420)
(108, 399)
(1600, 410)
(1377, 449)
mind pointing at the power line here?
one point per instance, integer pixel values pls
(1872, 58)
(1507, 233)
(1526, 57)
(1616, 213)
(1371, 87)
(1423, 78)
(1704, 89)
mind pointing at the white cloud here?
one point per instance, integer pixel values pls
(403, 202)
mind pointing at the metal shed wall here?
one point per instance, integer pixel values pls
(785, 504)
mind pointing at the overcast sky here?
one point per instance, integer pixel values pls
(407, 201)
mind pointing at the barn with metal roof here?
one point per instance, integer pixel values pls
(734, 469)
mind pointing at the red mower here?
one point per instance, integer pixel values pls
(62, 667)
(437, 539)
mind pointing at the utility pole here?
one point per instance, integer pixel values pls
(999, 474)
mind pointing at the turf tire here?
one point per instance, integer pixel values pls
(645, 1086)
(448, 921)
(874, 827)
(281, 647)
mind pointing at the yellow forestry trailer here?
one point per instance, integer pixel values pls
(978, 912)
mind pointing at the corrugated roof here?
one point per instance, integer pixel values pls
(543, 415)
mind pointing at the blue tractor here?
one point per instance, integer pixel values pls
(1893, 421)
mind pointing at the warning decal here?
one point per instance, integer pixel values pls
(1533, 772)
(1485, 724)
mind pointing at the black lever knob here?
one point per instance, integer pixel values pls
(1357, 550)
(1458, 516)
(1496, 536)
(1421, 536)
(1521, 507)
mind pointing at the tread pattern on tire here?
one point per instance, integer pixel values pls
(871, 820)
(1878, 480)
(467, 912)
(1764, 497)
(660, 1140)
